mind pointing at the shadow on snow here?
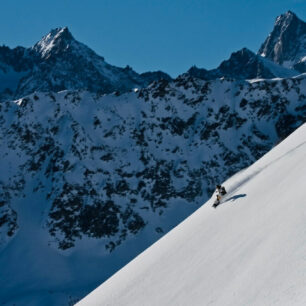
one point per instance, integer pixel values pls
(235, 197)
(232, 199)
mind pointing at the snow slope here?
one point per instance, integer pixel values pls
(88, 182)
(249, 251)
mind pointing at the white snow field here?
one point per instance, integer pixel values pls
(251, 250)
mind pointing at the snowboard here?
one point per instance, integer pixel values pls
(216, 204)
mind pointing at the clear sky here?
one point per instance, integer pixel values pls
(170, 35)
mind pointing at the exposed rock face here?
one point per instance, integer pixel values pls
(243, 64)
(106, 164)
(150, 77)
(58, 62)
(286, 44)
(283, 54)
(80, 168)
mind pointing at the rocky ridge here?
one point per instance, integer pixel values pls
(58, 62)
(283, 54)
(83, 169)
(244, 64)
(286, 44)
(106, 164)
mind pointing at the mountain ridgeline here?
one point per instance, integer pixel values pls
(101, 156)
(58, 62)
(286, 44)
(105, 164)
(283, 54)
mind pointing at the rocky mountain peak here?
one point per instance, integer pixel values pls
(286, 44)
(286, 18)
(283, 54)
(241, 56)
(58, 62)
(243, 64)
(56, 41)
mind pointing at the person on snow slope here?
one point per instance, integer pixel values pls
(220, 193)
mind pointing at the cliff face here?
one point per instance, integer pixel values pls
(286, 44)
(89, 180)
(104, 165)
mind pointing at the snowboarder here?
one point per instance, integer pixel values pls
(220, 193)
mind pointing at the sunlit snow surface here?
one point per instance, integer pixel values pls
(249, 251)
(33, 270)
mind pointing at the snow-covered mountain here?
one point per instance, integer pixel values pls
(249, 251)
(58, 62)
(286, 44)
(89, 180)
(283, 54)
(244, 64)
(93, 180)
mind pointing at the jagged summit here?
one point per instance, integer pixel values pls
(58, 42)
(283, 54)
(59, 62)
(286, 44)
(286, 18)
(60, 33)
(248, 65)
(58, 38)
(243, 64)
(88, 180)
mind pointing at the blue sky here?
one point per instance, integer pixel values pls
(149, 35)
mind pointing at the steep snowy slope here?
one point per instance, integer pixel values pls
(88, 181)
(249, 251)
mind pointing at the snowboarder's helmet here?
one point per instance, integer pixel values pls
(218, 186)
